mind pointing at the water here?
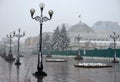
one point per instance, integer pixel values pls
(58, 71)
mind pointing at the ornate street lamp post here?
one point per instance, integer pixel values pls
(4, 54)
(114, 37)
(40, 19)
(19, 36)
(18, 71)
(78, 57)
(10, 55)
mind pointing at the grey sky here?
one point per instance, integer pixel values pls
(15, 14)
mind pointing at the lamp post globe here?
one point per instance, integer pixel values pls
(32, 11)
(50, 12)
(42, 5)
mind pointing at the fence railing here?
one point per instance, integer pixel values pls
(90, 53)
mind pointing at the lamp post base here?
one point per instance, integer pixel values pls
(115, 61)
(17, 63)
(39, 77)
(39, 74)
(9, 57)
(49, 56)
(78, 57)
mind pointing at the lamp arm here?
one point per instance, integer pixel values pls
(22, 35)
(45, 19)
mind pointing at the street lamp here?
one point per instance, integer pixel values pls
(40, 19)
(4, 54)
(78, 57)
(10, 55)
(114, 37)
(18, 70)
(19, 36)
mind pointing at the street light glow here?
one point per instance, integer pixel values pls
(50, 12)
(41, 5)
(32, 11)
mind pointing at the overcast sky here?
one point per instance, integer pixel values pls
(15, 14)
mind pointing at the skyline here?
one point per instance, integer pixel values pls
(16, 14)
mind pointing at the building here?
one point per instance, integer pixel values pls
(83, 36)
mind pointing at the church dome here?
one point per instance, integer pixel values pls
(81, 28)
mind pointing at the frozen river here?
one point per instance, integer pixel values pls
(58, 71)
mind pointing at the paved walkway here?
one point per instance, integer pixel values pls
(57, 71)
